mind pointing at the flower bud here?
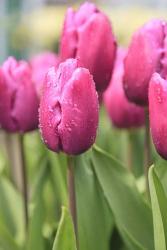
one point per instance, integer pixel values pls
(68, 111)
(18, 98)
(123, 113)
(145, 56)
(88, 35)
(40, 64)
(157, 113)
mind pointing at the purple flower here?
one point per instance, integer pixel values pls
(40, 64)
(68, 111)
(146, 55)
(18, 98)
(88, 35)
(123, 113)
(157, 110)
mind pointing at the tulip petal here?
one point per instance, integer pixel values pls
(157, 113)
(18, 98)
(143, 59)
(69, 109)
(78, 125)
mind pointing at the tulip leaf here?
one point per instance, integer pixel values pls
(161, 170)
(65, 237)
(6, 240)
(35, 153)
(95, 221)
(159, 208)
(132, 215)
(58, 176)
(127, 143)
(41, 178)
(35, 237)
(11, 210)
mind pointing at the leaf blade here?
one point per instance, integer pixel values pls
(126, 203)
(65, 237)
(159, 208)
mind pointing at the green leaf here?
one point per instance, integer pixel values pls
(11, 210)
(65, 237)
(107, 134)
(58, 176)
(135, 154)
(127, 146)
(161, 170)
(35, 237)
(35, 152)
(6, 240)
(159, 208)
(130, 211)
(41, 178)
(95, 221)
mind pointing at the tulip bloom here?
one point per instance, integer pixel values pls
(88, 35)
(40, 64)
(145, 56)
(18, 98)
(157, 111)
(122, 113)
(68, 111)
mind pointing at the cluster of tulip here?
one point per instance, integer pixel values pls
(66, 88)
(61, 94)
(66, 85)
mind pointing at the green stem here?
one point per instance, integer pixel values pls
(72, 196)
(24, 179)
(13, 154)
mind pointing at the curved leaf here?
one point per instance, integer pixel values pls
(128, 207)
(11, 212)
(95, 220)
(6, 240)
(65, 237)
(159, 208)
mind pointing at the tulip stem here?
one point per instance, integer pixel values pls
(24, 179)
(147, 149)
(11, 144)
(72, 196)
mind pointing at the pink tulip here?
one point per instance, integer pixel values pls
(88, 35)
(18, 99)
(145, 56)
(68, 111)
(122, 113)
(40, 64)
(157, 111)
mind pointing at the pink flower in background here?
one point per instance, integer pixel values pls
(158, 113)
(40, 64)
(123, 113)
(68, 111)
(146, 55)
(18, 98)
(88, 35)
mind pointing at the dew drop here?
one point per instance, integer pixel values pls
(159, 94)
